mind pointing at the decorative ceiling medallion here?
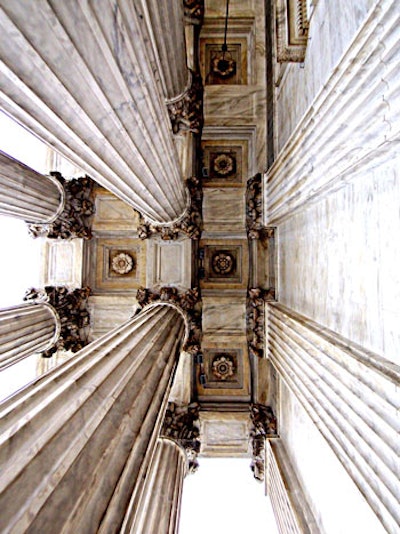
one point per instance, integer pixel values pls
(122, 263)
(223, 164)
(223, 367)
(223, 263)
(222, 66)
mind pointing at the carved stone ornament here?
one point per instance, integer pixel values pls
(71, 306)
(122, 263)
(181, 424)
(223, 263)
(186, 111)
(255, 319)
(194, 10)
(263, 425)
(223, 367)
(222, 65)
(254, 207)
(291, 30)
(189, 302)
(224, 165)
(75, 219)
(191, 224)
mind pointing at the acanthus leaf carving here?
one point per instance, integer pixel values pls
(255, 318)
(190, 304)
(264, 425)
(186, 111)
(71, 307)
(191, 224)
(181, 424)
(75, 219)
(194, 10)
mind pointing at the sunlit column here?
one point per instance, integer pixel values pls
(352, 397)
(292, 512)
(26, 329)
(81, 76)
(158, 509)
(169, 46)
(76, 444)
(26, 194)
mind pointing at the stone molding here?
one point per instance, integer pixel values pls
(291, 30)
(189, 302)
(264, 425)
(75, 218)
(71, 308)
(255, 319)
(186, 110)
(190, 224)
(181, 424)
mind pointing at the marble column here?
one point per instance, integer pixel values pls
(26, 329)
(81, 76)
(352, 125)
(28, 195)
(351, 394)
(159, 508)
(291, 509)
(76, 444)
(165, 24)
(175, 456)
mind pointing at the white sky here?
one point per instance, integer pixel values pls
(222, 496)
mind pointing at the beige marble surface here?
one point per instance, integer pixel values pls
(224, 434)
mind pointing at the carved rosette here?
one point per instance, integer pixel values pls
(223, 367)
(181, 424)
(191, 224)
(71, 306)
(255, 318)
(75, 219)
(186, 111)
(194, 11)
(264, 425)
(190, 304)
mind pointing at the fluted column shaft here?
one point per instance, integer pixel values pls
(159, 508)
(81, 76)
(26, 329)
(26, 194)
(291, 510)
(76, 444)
(351, 395)
(352, 125)
(169, 46)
